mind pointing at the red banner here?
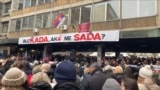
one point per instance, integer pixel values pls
(84, 27)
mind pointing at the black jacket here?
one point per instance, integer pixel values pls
(95, 82)
(41, 86)
(66, 86)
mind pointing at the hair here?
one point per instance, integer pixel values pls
(95, 65)
(109, 73)
(130, 84)
(36, 69)
(129, 73)
(18, 64)
(40, 77)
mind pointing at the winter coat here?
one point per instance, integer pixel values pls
(41, 86)
(95, 81)
(13, 88)
(66, 86)
(148, 85)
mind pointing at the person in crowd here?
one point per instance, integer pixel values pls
(40, 81)
(107, 66)
(118, 73)
(18, 64)
(14, 79)
(145, 80)
(2, 69)
(85, 75)
(96, 80)
(65, 76)
(111, 84)
(129, 84)
(157, 80)
(128, 72)
(1, 75)
(35, 70)
(109, 74)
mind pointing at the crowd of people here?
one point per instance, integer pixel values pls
(81, 73)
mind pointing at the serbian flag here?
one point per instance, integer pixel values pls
(59, 20)
(84, 27)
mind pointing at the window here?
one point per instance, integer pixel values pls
(46, 20)
(13, 25)
(31, 22)
(66, 15)
(1, 5)
(7, 7)
(20, 6)
(129, 9)
(18, 24)
(113, 10)
(39, 21)
(99, 12)
(41, 2)
(25, 23)
(46, 1)
(147, 8)
(5, 27)
(27, 3)
(85, 14)
(28, 22)
(33, 2)
(75, 14)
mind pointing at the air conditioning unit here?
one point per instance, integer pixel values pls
(64, 27)
(35, 30)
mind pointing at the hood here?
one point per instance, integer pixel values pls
(66, 86)
(41, 86)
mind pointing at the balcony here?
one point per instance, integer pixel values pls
(136, 23)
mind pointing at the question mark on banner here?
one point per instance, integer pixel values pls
(103, 35)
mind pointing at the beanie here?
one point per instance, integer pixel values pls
(111, 84)
(65, 71)
(14, 77)
(146, 72)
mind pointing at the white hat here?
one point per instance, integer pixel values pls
(146, 72)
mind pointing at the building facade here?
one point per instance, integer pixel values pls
(29, 18)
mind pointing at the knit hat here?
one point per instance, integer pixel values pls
(14, 77)
(146, 72)
(111, 84)
(65, 71)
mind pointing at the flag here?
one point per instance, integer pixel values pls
(59, 20)
(84, 27)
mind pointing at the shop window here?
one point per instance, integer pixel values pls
(85, 13)
(113, 10)
(5, 27)
(99, 12)
(75, 14)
